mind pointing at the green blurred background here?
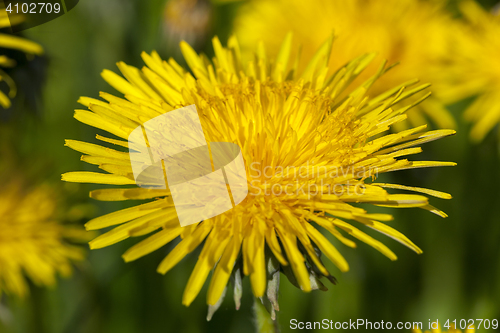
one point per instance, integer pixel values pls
(456, 277)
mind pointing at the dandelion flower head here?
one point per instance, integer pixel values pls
(280, 118)
(34, 244)
(476, 69)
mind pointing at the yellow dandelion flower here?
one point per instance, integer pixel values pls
(415, 33)
(281, 121)
(10, 41)
(477, 69)
(33, 243)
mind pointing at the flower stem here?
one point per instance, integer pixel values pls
(263, 321)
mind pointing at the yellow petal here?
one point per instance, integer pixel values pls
(223, 271)
(327, 248)
(187, 245)
(295, 259)
(96, 178)
(96, 150)
(434, 193)
(120, 84)
(151, 244)
(124, 215)
(119, 194)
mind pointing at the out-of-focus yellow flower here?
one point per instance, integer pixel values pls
(283, 121)
(10, 41)
(415, 33)
(33, 243)
(476, 68)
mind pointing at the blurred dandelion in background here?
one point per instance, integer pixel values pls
(34, 244)
(476, 68)
(13, 42)
(414, 33)
(279, 116)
